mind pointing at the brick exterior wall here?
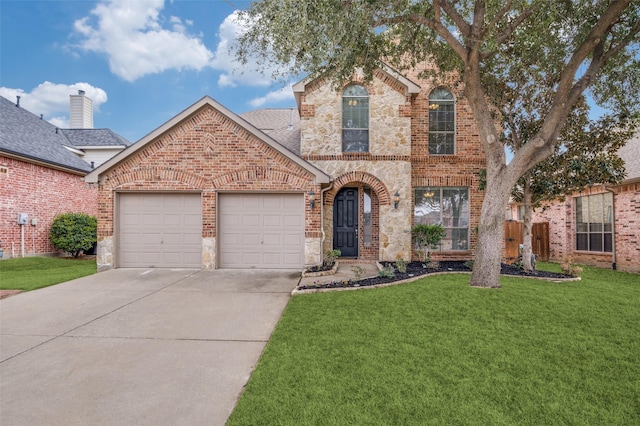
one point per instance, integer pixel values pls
(459, 170)
(398, 156)
(562, 233)
(205, 153)
(42, 193)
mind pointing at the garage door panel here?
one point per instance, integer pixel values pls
(273, 204)
(160, 230)
(251, 220)
(269, 225)
(271, 220)
(272, 239)
(250, 239)
(291, 240)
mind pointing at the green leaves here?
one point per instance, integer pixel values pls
(73, 232)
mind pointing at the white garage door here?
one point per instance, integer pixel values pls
(160, 230)
(261, 231)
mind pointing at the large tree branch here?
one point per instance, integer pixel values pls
(586, 48)
(457, 18)
(508, 31)
(501, 13)
(436, 26)
(614, 49)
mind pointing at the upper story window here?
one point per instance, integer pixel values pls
(442, 122)
(594, 222)
(355, 119)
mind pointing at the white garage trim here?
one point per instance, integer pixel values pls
(160, 230)
(261, 230)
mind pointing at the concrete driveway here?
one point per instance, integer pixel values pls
(136, 346)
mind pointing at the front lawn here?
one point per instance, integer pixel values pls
(30, 273)
(439, 352)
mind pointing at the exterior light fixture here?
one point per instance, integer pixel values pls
(396, 200)
(312, 199)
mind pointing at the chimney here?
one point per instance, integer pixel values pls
(17, 101)
(80, 111)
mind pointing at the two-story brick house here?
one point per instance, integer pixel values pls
(351, 169)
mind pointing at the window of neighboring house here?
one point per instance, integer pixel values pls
(594, 222)
(448, 207)
(355, 119)
(442, 122)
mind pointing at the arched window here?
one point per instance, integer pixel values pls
(355, 119)
(442, 122)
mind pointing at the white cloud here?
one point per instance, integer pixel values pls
(52, 100)
(233, 73)
(131, 34)
(275, 96)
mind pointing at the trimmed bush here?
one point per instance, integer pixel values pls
(73, 232)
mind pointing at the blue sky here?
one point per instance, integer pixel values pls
(141, 62)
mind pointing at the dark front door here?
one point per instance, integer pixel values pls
(345, 222)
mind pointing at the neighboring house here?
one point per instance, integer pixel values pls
(277, 188)
(599, 226)
(41, 175)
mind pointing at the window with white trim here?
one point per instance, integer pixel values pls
(355, 119)
(594, 222)
(447, 206)
(442, 122)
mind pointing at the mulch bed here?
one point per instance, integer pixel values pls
(416, 269)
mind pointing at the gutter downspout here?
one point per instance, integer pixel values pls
(613, 226)
(324, 236)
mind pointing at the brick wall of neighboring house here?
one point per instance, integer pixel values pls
(459, 170)
(562, 234)
(206, 153)
(627, 215)
(42, 193)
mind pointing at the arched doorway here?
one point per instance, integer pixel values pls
(355, 222)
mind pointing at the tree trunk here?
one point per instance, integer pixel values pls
(486, 266)
(526, 229)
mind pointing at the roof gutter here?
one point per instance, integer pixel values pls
(51, 165)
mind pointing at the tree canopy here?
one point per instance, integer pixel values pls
(489, 44)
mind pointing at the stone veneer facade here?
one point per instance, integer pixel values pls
(398, 158)
(207, 152)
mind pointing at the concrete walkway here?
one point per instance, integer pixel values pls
(136, 346)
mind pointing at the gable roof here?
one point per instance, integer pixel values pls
(105, 138)
(282, 124)
(412, 88)
(26, 136)
(94, 176)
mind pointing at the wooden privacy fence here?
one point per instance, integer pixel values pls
(513, 238)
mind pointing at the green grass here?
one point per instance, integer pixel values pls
(439, 352)
(31, 273)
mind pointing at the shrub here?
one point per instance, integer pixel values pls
(427, 238)
(73, 232)
(568, 268)
(387, 272)
(357, 271)
(331, 256)
(401, 265)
